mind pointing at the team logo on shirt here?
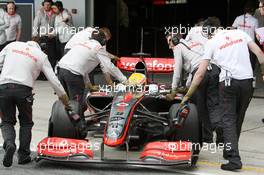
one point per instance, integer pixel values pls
(194, 44)
(26, 54)
(230, 43)
(85, 45)
(245, 26)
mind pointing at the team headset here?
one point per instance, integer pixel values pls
(175, 40)
(11, 2)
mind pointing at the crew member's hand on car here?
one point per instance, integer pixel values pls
(126, 83)
(171, 96)
(114, 58)
(184, 101)
(108, 79)
(182, 90)
(188, 95)
(92, 88)
(65, 101)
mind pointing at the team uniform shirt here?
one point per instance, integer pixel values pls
(43, 23)
(63, 29)
(185, 58)
(229, 48)
(246, 23)
(80, 37)
(87, 56)
(196, 35)
(22, 64)
(4, 24)
(15, 25)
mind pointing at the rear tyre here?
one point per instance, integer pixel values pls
(60, 124)
(191, 130)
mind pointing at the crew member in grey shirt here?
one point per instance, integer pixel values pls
(4, 24)
(13, 32)
(187, 56)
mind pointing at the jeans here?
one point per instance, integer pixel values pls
(14, 96)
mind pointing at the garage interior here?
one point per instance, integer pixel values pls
(154, 16)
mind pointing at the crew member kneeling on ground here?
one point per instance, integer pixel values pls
(75, 66)
(21, 64)
(229, 48)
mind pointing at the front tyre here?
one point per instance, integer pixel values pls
(60, 124)
(191, 130)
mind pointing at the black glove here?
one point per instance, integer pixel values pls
(73, 115)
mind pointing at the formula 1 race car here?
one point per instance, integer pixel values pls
(137, 122)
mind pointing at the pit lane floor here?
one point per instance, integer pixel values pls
(251, 147)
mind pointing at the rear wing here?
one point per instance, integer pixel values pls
(154, 65)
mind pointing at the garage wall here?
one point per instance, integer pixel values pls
(80, 5)
(25, 9)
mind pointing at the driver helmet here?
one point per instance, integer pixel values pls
(137, 79)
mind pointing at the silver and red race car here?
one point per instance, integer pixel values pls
(141, 123)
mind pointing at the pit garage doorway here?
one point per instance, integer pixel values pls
(154, 16)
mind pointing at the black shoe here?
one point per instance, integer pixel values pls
(9, 153)
(231, 166)
(24, 160)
